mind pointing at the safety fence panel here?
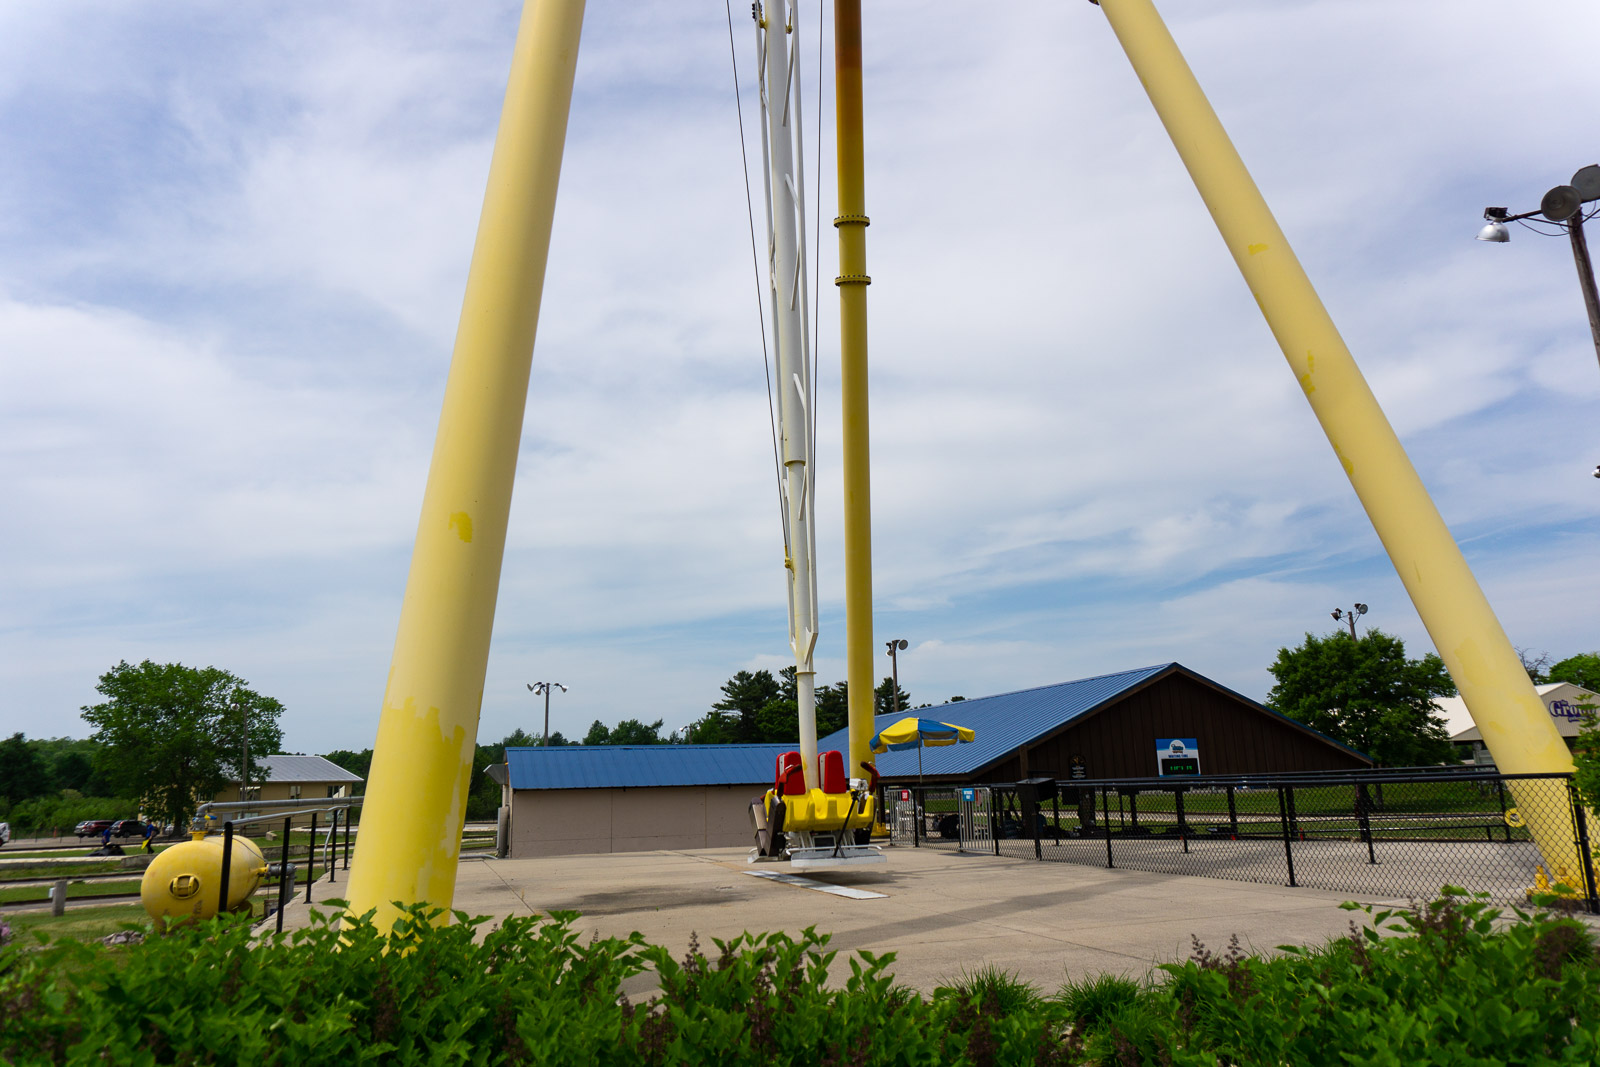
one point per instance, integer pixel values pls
(975, 812)
(1379, 836)
(922, 817)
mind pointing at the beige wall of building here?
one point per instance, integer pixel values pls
(559, 822)
(285, 791)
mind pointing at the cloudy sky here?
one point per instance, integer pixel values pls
(233, 240)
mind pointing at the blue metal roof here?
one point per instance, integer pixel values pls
(642, 766)
(1003, 723)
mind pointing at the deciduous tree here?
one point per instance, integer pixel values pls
(1582, 669)
(1365, 693)
(171, 737)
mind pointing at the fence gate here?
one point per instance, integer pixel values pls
(902, 830)
(975, 805)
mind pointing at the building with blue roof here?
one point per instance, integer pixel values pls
(1112, 726)
(627, 798)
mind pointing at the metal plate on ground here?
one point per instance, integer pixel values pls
(821, 887)
(825, 857)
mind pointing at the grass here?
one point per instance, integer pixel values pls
(59, 870)
(79, 924)
(75, 891)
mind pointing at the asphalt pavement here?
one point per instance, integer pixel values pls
(942, 913)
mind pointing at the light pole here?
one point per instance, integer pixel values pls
(537, 688)
(895, 648)
(1564, 206)
(244, 757)
(1352, 615)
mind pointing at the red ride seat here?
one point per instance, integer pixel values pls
(831, 764)
(791, 780)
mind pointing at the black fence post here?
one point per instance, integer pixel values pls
(1055, 814)
(1500, 785)
(1581, 818)
(349, 812)
(1183, 829)
(1283, 817)
(1233, 815)
(1362, 804)
(227, 867)
(311, 857)
(1294, 819)
(283, 872)
(1133, 809)
(1105, 817)
(994, 818)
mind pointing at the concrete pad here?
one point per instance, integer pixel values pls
(942, 913)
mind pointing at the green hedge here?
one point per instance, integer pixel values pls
(1450, 983)
(63, 813)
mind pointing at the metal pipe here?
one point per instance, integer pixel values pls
(852, 282)
(785, 267)
(331, 849)
(422, 758)
(253, 805)
(1580, 255)
(1470, 640)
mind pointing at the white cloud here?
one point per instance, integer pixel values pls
(234, 244)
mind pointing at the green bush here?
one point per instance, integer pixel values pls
(1449, 983)
(65, 812)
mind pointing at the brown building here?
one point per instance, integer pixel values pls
(1120, 725)
(626, 798)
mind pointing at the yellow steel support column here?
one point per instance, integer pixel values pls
(852, 283)
(411, 826)
(1516, 728)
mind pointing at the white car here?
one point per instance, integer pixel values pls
(5, 833)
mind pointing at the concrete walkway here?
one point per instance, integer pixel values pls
(941, 913)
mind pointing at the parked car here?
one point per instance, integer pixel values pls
(91, 827)
(127, 828)
(5, 833)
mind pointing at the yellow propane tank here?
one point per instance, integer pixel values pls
(183, 881)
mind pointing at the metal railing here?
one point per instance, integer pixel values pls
(1392, 834)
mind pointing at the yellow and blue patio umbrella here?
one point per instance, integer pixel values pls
(913, 732)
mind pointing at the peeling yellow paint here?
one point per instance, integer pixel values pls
(1344, 461)
(1256, 249)
(461, 523)
(1305, 379)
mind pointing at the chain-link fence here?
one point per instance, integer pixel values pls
(1389, 835)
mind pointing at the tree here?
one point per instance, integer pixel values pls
(1365, 693)
(171, 737)
(1582, 669)
(599, 734)
(357, 763)
(636, 732)
(1536, 663)
(883, 698)
(833, 708)
(23, 775)
(743, 697)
